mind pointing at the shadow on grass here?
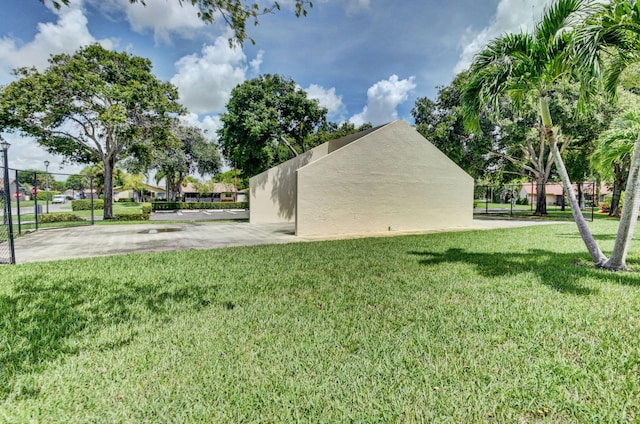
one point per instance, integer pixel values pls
(599, 237)
(41, 317)
(560, 271)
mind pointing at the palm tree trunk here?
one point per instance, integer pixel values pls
(629, 218)
(594, 250)
(596, 254)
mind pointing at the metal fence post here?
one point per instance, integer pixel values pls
(91, 191)
(593, 198)
(34, 193)
(19, 194)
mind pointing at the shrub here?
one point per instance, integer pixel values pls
(605, 206)
(522, 201)
(164, 206)
(146, 209)
(59, 217)
(85, 204)
(132, 217)
(125, 199)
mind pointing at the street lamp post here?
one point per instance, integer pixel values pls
(5, 148)
(46, 179)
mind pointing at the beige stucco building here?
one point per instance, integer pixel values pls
(388, 178)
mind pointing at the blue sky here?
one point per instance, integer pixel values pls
(365, 60)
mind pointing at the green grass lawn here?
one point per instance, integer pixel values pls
(488, 326)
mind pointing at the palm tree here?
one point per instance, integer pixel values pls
(612, 156)
(613, 35)
(526, 67)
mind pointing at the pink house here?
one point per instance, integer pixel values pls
(555, 191)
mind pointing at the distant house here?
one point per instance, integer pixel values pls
(555, 191)
(221, 193)
(14, 188)
(148, 193)
(388, 178)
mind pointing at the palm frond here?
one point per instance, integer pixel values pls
(613, 28)
(617, 65)
(502, 68)
(617, 143)
(560, 16)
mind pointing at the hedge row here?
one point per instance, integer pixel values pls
(85, 204)
(59, 217)
(170, 206)
(132, 217)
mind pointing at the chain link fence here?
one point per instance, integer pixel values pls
(519, 200)
(7, 252)
(42, 199)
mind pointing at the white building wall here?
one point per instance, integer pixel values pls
(272, 194)
(392, 179)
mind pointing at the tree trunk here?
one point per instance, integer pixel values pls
(594, 250)
(629, 218)
(109, 163)
(614, 209)
(619, 181)
(172, 189)
(541, 196)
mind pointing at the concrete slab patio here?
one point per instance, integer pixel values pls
(105, 240)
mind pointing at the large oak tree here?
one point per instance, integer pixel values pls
(95, 106)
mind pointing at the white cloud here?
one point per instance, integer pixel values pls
(383, 98)
(67, 35)
(327, 98)
(163, 18)
(511, 16)
(255, 63)
(205, 81)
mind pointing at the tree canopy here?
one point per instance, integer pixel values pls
(186, 152)
(441, 122)
(266, 116)
(95, 106)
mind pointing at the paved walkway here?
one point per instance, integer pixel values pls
(104, 240)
